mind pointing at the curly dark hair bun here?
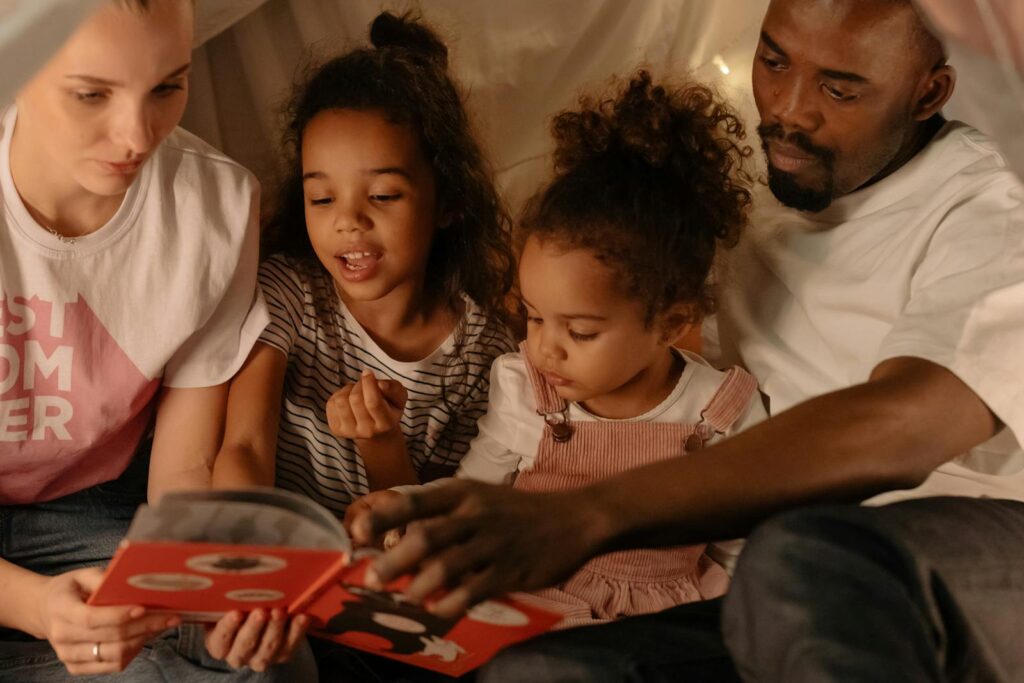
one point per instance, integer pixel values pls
(652, 180)
(405, 32)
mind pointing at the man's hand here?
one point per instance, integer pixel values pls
(480, 540)
(93, 640)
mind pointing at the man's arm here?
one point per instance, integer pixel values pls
(189, 429)
(888, 433)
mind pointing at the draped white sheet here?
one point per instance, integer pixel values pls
(519, 61)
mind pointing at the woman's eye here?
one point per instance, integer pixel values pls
(89, 97)
(385, 197)
(534, 320)
(576, 336)
(165, 89)
(320, 201)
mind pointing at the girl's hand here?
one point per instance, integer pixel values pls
(365, 505)
(369, 409)
(258, 640)
(93, 640)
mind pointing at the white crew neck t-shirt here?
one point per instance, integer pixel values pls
(928, 263)
(164, 293)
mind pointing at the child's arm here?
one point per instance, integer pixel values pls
(248, 454)
(370, 412)
(186, 437)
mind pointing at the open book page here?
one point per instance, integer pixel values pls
(387, 624)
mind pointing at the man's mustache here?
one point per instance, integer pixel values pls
(774, 131)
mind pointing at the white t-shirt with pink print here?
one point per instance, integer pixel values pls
(163, 294)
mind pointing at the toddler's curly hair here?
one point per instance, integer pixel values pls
(650, 181)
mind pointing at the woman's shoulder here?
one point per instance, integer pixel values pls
(192, 153)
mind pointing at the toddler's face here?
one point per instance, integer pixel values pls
(586, 336)
(370, 203)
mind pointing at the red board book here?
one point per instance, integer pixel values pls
(201, 554)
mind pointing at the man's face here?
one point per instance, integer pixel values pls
(835, 83)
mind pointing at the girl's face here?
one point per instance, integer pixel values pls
(586, 337)
(370, 202)
(101, 106)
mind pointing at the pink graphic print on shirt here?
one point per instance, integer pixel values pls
(73, 406)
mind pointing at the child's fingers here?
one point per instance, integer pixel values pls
(339, 414)
(377, 407)
(364, 422)
(393, 392)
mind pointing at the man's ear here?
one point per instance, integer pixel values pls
(934, 92)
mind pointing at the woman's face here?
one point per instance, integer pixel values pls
(101, 106)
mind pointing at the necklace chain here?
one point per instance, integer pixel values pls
(63, 238)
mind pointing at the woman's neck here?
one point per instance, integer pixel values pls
(643, 392)
(55, 200)
(406, 323)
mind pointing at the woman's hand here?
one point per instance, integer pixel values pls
(258, 640)
(93, 640)
(369, 409)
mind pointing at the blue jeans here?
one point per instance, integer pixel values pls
(924, 590)
(83, 530)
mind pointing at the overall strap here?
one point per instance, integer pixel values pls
(548, 400)
(552, 407)
(728, 403)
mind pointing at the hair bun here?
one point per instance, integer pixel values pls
(407, 33)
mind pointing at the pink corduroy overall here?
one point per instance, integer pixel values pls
(574, 454)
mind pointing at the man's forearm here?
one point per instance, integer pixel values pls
(843, 446)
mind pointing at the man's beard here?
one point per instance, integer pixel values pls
(785, 186)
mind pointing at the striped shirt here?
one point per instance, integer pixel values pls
(447, 394)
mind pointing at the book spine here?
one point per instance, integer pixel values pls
(330, 575)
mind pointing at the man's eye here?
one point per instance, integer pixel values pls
(771, 62)
(838, 94)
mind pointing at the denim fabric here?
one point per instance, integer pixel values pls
(83, 530)
(923, 590)
(677, 645)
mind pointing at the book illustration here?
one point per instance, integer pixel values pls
(232, 563)
(169, 582)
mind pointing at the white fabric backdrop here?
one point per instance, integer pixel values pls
(519, 61)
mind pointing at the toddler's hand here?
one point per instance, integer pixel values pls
(369, 409)
(365, 505)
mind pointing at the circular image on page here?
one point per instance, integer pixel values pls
(254, 595)
(235, 563)
(497, 613)
(170, 582)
